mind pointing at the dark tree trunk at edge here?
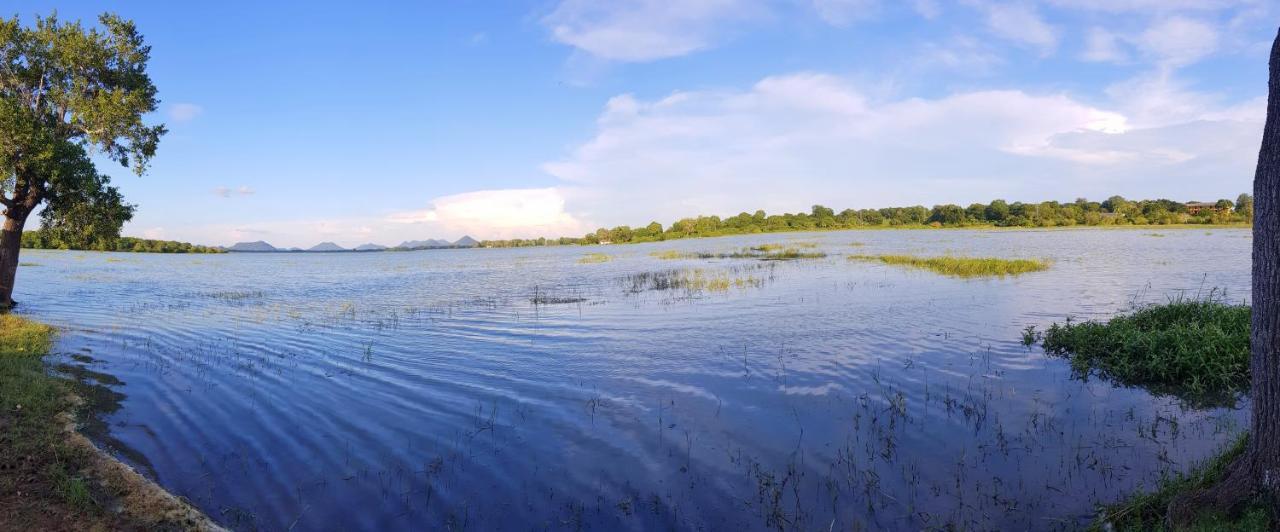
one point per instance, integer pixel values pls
(1256, 475)
(10, 247)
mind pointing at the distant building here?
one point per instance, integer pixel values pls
(1197, 207)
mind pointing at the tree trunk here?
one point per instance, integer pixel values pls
(10, 247)
(1256, 475)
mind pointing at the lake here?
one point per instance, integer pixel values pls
(492, 389)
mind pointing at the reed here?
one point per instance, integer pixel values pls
(965, 267)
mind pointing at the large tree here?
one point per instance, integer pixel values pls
(66, 90)
(1255, 476)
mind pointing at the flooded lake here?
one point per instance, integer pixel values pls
(544, 388)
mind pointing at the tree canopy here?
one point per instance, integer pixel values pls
(1116, 210)
(66, 89)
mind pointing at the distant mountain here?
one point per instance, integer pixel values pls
(327, 246)
(466, 242)
(370, 247)
(247, 247)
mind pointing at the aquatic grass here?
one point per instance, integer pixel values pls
(965, 267)
(669, 254)
(1196, 349)
(1146, 511)
(762, 252)
(595, 258)
(28, 264)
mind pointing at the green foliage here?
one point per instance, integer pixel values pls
(1146, 511)
(1195, 349)
(1116, 211)
(66, 89)
(964, 267)
(44, 239)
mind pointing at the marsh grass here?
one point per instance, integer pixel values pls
(965, 267)
(595, 258)
(1195, 349)
(762, 252)
(1146, 511)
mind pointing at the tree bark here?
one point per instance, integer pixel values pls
(10, 247)
(1256, 475)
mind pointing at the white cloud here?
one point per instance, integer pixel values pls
(184, 112)
(227, 192)
(1178, 41)
(1021, 23)
(927, 8)
(1120, 6)
(961, 54)
(790, 141)
(845, 12)
(499, 213)
(644, 30)
(1102, 46)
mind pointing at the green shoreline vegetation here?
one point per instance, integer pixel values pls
(53, 477)
(1194, 349)
(41, 239)
(964, 267)
(1116, 211)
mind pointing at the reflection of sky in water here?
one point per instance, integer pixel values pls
(388, 390)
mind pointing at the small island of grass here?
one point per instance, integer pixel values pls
(1195, 349)
(965, 267)
(595, 258)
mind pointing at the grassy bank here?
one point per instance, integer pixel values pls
(965, 267)
(1145, 512)
(1195, 349)
(52, 477)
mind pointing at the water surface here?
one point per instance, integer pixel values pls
(399, 391)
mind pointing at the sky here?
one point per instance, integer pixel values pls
(297, 123)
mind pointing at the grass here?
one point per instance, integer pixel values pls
(1196, 349)
(762, 252)
(965, 267)
(38, 463)
(51, 479)
(595, 258)
(1146, 511)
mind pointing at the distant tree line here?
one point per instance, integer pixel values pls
(44, 239)
(1116, 210)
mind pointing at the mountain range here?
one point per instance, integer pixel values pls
(263, 247)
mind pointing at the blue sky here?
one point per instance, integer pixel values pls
(301, 122)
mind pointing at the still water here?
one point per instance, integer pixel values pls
(521, 389)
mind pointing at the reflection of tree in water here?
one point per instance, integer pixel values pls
(100, 401)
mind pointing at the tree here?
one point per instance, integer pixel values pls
(1256, 474)
(1244, 206)
(65, 88)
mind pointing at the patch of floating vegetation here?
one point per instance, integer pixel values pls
(763, 252)
(692, 281)
(28, 264)
(232, 295)
(1147, 511)
(857, 244)
(1156, 235)
(1194, 349)
(965, 267)
(595, 258)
